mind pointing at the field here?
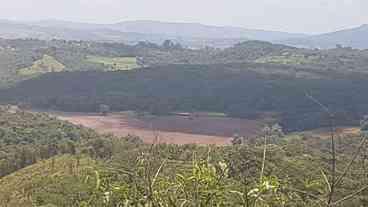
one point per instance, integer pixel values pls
(45, 65)
(290, 59)
(168, 129)
(340, 131)
(115, 63)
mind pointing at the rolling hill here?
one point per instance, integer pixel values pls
(193, 35)
(172, 29)
(189, 34)
(178, 175)
(355, 37)
(200, 30)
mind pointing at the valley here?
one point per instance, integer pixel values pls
(174, 129)
(92, 122)
(168, 129)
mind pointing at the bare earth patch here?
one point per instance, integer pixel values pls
(168, 129)
(340, 131)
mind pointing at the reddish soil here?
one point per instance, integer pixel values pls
(340, 131)
(168, 129)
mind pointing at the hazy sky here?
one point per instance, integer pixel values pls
(308, 16)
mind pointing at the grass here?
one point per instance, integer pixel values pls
(115, 63)
(285, 59)
(46, 64)
(216, 114)
(39, 181)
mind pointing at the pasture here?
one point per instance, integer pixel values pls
(46, 64)
(115, 63)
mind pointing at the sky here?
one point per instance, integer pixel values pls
(298, 16)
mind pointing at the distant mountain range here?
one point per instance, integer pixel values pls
(355, 37)
(189, 34)
(193, 30)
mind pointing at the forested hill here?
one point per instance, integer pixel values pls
(86, 169)
(239, 90)
(24, 59)
(26, 138)
(241, 80)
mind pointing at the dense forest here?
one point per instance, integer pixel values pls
(239, 90)
(26, 138)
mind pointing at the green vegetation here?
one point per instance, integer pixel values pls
(271, 170)
(93, 56)
(47, 64)
(285, 59)
(48, 162)
(238, 90)
(61, 178)
(214, 114)
(26, 138)
(115, 63)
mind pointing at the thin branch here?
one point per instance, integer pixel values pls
(325, 108)
(333, 146)
(333, 149)
(350, 196)
(264, 158)
(219, 179)
(120, 171)
(339, 180)
(158, 172)
(326, 180)
(308, 194)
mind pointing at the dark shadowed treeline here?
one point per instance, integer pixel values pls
(239, 90)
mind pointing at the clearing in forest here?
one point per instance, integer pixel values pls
(46, 64)
(169, 129)
(115, 63)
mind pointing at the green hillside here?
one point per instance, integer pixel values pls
(55, 181)
(286, 59)
(45, 161)
(115, 63)
(296, 172)
(47, 64)
(238, 90)
(26, 138)
(48, 162)
(29, 57)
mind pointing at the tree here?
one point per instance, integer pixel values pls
(104, 109)
(277, 131)
(169, 44)
(237, 139)
(364, 124)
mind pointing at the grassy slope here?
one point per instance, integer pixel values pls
(55, 178)
(115, 63)
(295, 160)
(45, 65)
(286, 59)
